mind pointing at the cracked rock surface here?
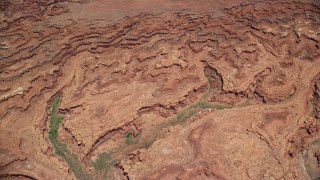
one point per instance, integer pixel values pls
(164, 89)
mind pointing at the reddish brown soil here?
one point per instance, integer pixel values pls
(213, 89)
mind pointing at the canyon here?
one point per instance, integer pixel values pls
(164, 89)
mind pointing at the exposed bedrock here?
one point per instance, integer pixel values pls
(159, 90)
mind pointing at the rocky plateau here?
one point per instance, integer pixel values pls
(160, 89)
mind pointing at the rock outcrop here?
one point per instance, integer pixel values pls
(161, 90)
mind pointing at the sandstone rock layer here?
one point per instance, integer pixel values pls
(159, 89)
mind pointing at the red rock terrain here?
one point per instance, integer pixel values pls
(164, 89)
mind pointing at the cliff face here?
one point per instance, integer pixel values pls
(159, 89)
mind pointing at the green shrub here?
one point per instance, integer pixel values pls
(219, 107)
(60, 148)
(130, 139)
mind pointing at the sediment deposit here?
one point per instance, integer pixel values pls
(159, 90)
